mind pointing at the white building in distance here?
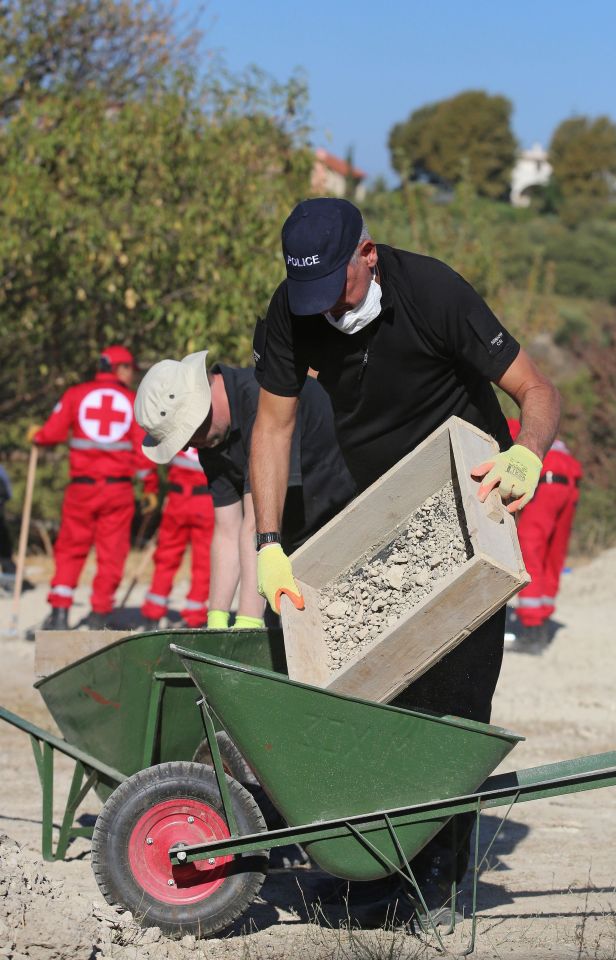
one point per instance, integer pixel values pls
(531, 169)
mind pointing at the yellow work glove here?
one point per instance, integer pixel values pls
(248, 623)
(32, 432)
(217, 619)
(275, 577)
(516, 471)
(149, 502)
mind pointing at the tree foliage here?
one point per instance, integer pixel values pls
(151, 218)
(68, 46)
(583, 156)
(471, 129)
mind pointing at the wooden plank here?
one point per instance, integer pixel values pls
(56, 649)
(304, 639)
(471, 447)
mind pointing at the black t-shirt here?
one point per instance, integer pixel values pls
(431, 353)
(319, 483)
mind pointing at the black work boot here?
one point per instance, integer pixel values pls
(56, 619)
(95, 621)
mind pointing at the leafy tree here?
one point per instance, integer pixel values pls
(153, 219)
(472, 128)
(409, 143)
(583, 156)
(119, 46)
(156, 224)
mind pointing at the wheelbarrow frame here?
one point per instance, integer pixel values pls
(90, 772)
(87, 766)
(499, 790)
(44, 745)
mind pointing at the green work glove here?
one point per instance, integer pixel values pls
(248, 623)
(516, 471)
(275, 577)
(217, 619)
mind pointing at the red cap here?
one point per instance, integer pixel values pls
(117, 354)
(514, 427)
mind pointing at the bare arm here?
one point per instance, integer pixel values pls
(225, 556)
(538, 400)
(269, 458)
(251, 603)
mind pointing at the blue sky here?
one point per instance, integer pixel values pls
(369, 64)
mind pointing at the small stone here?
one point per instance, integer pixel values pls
(336, 609)
(394, 577)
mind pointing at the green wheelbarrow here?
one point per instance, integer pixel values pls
(130, 705)
(362, 786)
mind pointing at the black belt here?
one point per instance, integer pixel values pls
(194, 491)
(91, 480)
(550, 477)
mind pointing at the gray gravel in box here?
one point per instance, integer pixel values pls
(372, 596)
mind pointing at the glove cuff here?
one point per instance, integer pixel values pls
(527, 453)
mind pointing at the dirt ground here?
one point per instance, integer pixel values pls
(548, 889)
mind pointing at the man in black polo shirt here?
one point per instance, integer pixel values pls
(182, 404)
(400, 342)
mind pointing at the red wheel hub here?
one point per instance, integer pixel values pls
(163, 826)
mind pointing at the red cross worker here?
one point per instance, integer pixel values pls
(104, 440)
(188, 518)
(544, 528)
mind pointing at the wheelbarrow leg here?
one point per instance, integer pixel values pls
(404, 871)
(44, 758)
(225, 796)
(76, 795)
(477, 865)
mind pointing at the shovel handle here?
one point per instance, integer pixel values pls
(23, 532)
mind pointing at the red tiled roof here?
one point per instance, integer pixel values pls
(337, 165)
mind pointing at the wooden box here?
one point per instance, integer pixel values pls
(460, 601)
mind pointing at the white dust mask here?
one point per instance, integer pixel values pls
(361, 315)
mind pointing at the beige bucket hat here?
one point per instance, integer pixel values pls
(172, 401)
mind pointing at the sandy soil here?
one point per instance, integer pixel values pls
(548, 890)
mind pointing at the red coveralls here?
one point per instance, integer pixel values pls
(544, 528)
(98, 506)
(188, 515)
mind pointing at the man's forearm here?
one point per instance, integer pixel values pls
(269, 471)
(539, 403)
(539, 418)
(251, 603)
(224, 566)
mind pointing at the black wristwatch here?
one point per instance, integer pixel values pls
(264, 538)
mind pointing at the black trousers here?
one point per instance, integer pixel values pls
(462, 684)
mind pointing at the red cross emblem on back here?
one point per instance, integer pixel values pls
(105, 415)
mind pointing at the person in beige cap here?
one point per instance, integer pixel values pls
(181, 404)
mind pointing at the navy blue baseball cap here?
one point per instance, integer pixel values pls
(318, 239)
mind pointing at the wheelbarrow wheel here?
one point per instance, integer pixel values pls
(151, 812)
(232, 759)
